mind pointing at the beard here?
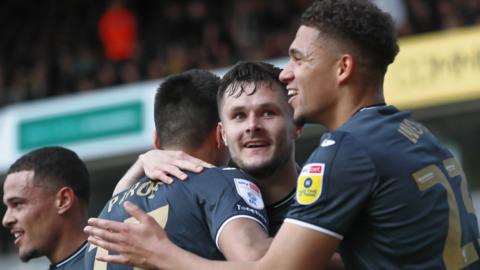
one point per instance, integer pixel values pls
(265, 169)
(33, 253)
(299, 120)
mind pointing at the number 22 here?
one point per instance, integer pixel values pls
(455, 255)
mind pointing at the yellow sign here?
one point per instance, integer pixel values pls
(435, 69)
(310, 183)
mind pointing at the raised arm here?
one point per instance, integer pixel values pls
(160, 165)
(132, 175)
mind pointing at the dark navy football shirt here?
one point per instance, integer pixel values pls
(72, 262)
(277, 213)
(396, 197)
(193, 212)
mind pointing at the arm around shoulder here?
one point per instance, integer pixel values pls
(243, 239)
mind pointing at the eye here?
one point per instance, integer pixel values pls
(238, 116)
(268, 113)
(295, 57)
(16, 205)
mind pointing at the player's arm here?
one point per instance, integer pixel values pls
(132, 175)
(146, 245)
(243, 239)
(160, 165)
(294, 247)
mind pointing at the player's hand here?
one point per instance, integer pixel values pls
(161, 164)
(136, 243)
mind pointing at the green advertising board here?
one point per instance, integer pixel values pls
(81, 126)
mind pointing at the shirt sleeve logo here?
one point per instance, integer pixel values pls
(250, 193)
(310, 183)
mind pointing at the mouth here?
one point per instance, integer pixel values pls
(292, 93)
(256, 144)
(18, 236)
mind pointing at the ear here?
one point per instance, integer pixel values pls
(345, 68)
(221, 133)
(64, 199)
(156, 143)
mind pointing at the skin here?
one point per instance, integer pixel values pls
(149, 248)
(316, 70)
(260, 135)
(265, 128)
(308, 75)
(30, 214)
(324, 81)
(258, 129)
(45, 220)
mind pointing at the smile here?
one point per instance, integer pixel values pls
(256, 144)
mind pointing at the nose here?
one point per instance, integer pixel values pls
(7, 219)
(253, 124)
(286, 75)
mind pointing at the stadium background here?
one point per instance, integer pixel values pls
(64, 81)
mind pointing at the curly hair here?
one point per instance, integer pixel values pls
(359, 23)
(56, 166)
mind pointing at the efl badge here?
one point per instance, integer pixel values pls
(310, 183)
(249, 192)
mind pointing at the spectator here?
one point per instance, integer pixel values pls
(118, 32)
(209, 33)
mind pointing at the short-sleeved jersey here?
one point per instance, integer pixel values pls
(72, 262)
(193, 212)
(396, 197)
(277, 213)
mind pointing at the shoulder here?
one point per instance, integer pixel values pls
(338, 146)
(75, 261)
(219, 176)
(375, 124)
(226, 184)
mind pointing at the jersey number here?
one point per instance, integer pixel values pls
(455, 255)
(160, 215)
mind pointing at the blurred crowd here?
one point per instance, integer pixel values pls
(50, 48)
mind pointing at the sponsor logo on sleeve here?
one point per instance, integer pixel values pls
(327, 142)
(250, 193)
(310, 183)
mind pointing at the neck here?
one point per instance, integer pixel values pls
(278, 185)
(70, 238)
(352, 101)
(206, 152)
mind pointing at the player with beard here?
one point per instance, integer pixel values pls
(380, 186)
(257, 126)
(219, 212)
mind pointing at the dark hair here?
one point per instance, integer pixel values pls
(243, 73)
(359, 23)
(185, 108)
(56, 166)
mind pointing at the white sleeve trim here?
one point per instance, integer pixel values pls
(217, 237)
(313, 227)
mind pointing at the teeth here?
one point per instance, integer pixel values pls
(17, 235)
(251, 145)
(292, 92)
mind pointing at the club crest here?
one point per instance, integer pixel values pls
(250, 193)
